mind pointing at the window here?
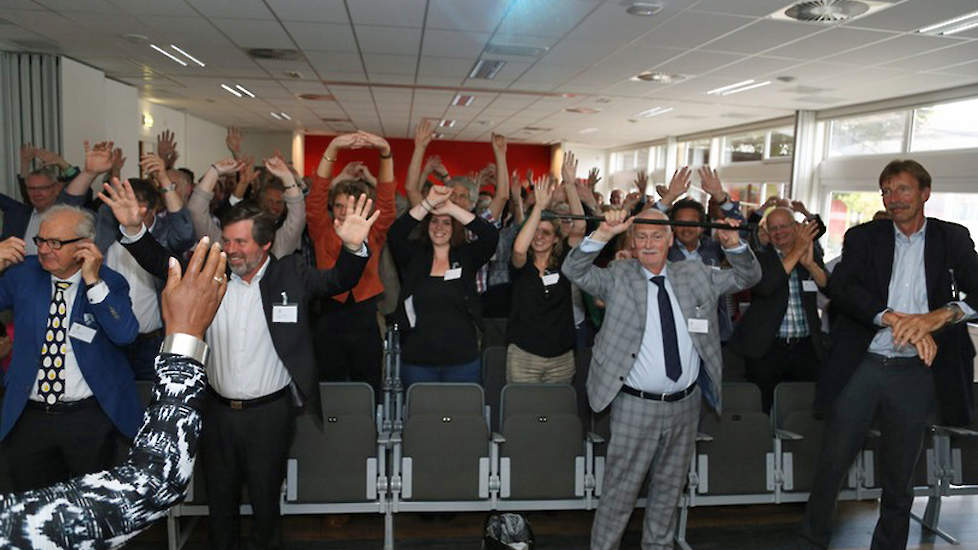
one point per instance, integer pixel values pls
(782, 143)
(657, 157)
(849, 208)
(743, 147)
(698, 153)
(869, 134)
(947, 126)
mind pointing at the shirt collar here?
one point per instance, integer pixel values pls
(649, 274)
(73, 279)
(916, 235)
(257, 278)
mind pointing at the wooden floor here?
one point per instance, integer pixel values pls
(757, 527)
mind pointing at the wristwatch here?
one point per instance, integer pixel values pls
(186, 345)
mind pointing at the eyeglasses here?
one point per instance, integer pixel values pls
(47, 187)
(55, 244)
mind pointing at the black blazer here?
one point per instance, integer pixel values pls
(16, 214)
(413, 259)
(757, 329)
(859, 289)
(301, 283)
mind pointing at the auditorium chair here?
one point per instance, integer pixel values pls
(493, 380)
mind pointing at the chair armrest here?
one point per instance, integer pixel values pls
(700, 436)
(953, 430)
(787, 436)
(594, 438)
(873, 432)
(394, 437)
(498, 438)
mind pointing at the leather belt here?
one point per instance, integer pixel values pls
(792, 341)
(151, 335)
(62, 406)
(238, 404)
(668, 397)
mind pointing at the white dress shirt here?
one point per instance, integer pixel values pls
(75, 386)
(243, 362)
(142, 287)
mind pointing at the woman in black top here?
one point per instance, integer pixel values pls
(541, 322)
(439, 308)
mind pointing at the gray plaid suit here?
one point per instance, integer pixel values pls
(643, 430)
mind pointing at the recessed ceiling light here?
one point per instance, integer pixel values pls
(643, 9)
(486, 68)
(231, 90)
(187, 55)
(244, 90)
(285, 116)
(657, 77)
(588, 131)
(654, 111)
(275, 116)
(447, 123)
(745, 88)
(462, 100)
(168, 54)
(582, 110)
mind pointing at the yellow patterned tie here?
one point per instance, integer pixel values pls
(51, 375)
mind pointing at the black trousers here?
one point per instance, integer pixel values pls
(793, 361)
(44, 448)
(899, 393)
(348, 344)
(250, 447)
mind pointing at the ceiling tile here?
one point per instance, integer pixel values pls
(445, 67)
(405, 13)
(465, 15)
(253, 33)
(894, 48)
(936, 59)
(691, 29)
(322, 36)
(755, 66)
(244, 9)
(373, 39)
(318, 11)
(761, 36)
(829, 42)
(545, 17)
(697, 62)
(453, 43)
(579, 53)
(326, 61)
(914, 14)
(756, 8)
(390, 64)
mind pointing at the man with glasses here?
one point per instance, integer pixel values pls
(69, 389)
(780, 333)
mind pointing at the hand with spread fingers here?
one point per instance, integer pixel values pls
(166, 148)
(356, 225)
(119, 196)
(728, 238)
(710, 180)
(191, 299)
(98, 159)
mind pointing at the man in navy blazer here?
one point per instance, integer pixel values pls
(69, 388)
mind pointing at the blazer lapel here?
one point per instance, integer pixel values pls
(640, 292)
(884, 247)
(933, 262)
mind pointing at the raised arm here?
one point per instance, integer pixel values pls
(233, 142)
(569, 173)
(98, 160)
(200, 200)
(423, 135)
(678, 186)
(289, 236)
(502, 178)
(579, 264)
(544, 194)
(152, 164)
(166, 148)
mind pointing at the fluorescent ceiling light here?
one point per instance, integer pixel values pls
(722, 89)
(285, 116)
(244, 90)
(275, 116)
(187, 55)
(168, 54)
(655, 111)
(951, 26)
(745, 88)
(231, 90)
(486, 68)
(462, 100)
(447, 123)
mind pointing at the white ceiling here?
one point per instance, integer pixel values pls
(390, 63)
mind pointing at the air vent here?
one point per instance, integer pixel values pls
(658, 78)
(536, 129)
(294, 75)
(486, 68)
(274, 53)
(582, 110)
(515, 50)
(316, 97)
(828, 11)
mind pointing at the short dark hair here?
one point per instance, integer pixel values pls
(146, 191)
(690, 204)
(906, 166)
(45, 172)
(263, 225)
(353, 188)
(190, 174)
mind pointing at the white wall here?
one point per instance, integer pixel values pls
(122, 123)
(264, 144)
(83, 107)
(199, 142)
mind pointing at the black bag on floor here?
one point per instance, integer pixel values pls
(507, 532)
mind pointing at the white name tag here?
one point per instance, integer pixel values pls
(452, 274)
(288, 313)
(409, 310)
(82, 332)
(698, 326)
(809, 285)
(551, 279)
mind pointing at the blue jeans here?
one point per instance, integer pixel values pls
(465, 372)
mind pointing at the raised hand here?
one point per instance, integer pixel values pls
(678, 185)
(366, 140)
(799, 207)
(710, 180)
(356, 225)
(437, 195)
(166, 148)
(641, 182)
(49, 157)
(568, 168)
(615, 223)
(363, 173)
(233, 141)
(91, 259)
(98, 159)
(12, 252)
(499, 145)
(278, 168)
(434, 165)
(228, 166)
(728, 238)
(543, 191)
(190, 300)
(344, 141)
(424, 133)
(630, 200)
(119, 196)
(805, 233)
(118, 161)
(27, 153)
(153, 165)
(593, 178)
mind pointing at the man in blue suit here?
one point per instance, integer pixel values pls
(69, 388)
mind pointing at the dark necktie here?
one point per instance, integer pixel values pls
(670, 343)
(51, 376)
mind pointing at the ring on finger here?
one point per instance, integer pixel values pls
(219, 280)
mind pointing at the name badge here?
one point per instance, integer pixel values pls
(809, 285)
(454, 273)
(551, 279)
(81, 332)
(409, 311)
(288, 313)
(698, 326)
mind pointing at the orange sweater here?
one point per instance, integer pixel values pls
(328, 244)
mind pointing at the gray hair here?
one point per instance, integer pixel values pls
(45, 172)
(469, 186)
(86, 224)
(651, 213)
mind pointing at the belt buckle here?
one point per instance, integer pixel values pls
(235, 404)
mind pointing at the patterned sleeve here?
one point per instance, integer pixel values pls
(106, 509)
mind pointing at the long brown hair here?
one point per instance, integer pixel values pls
(458, 232)
(556, 251)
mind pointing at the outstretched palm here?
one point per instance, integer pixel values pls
(356, 225)
(121, 199)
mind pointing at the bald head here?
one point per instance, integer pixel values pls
(650, 243)
(781, 224)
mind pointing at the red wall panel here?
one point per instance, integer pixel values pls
(459, 157)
